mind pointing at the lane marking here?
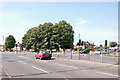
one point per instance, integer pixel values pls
(24, 57)
(21, 56)
(22, 62)
(59, 64)
(40, 69)
(66, 65)
(3, 68)
(42, 61)
(107, 74)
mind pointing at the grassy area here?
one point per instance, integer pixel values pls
(111, 55)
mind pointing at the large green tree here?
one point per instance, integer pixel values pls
(10, 42)
(39, 37)
(112, 44)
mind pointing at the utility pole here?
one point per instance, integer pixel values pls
(79, 47)
(3, 41)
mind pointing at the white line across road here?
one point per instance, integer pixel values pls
(66, 65)
(60, 64)
(24, 57)
(40, 69)
(107, 74)
(22, 62)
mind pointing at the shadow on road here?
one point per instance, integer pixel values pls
(49, 59)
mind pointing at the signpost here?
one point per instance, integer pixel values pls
(51, 43)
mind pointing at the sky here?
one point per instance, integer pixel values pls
(94, 21)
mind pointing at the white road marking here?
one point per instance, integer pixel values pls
(24, 57)
(40, 69)
(107, 74)
(21, 56)
(59, 64)
(22, 62)
(67, 66)
(2, 67)
(42, 61)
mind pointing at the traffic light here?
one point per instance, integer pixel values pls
(51, 42)
(105, 42)
(79, 41)
(82, 43)
(15, 45)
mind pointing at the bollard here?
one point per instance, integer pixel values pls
(71, 54)
(89, 56)
(79, 55)
(101, 57)
(58, 55)
(23, 52)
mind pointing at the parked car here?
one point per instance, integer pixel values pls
(85, 51)
(54, 50)
(97, 52)
(43, 55)
(110, 50)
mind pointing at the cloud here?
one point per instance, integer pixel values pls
(82, 21)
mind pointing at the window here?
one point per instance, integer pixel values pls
(45, 52)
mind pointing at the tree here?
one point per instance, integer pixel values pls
(63, 34)
(112, 44)
(30, 39)
(9, 42)
(39, 37)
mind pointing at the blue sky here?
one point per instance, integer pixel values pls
(95, 21)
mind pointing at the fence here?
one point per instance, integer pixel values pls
(104, 58)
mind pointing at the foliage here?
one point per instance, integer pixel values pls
(39, 37)
(10, 42)
(112, 44)
(90, 48)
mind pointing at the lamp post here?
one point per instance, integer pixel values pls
(79, 43)
(3, 41)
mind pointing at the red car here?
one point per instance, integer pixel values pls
(43, 54)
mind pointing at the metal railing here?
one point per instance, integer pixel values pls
(103, 58)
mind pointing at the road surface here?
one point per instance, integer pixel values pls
(26, 66)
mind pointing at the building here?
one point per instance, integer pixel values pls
(86, 44)
(2, 48)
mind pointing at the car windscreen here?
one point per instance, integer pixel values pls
(45, 52)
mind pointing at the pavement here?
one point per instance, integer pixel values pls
(26, 66)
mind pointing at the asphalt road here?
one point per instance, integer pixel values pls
(26, 66)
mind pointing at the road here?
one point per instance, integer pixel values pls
(26, 66)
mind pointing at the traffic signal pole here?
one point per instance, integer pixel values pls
(51, 43)
(79, 46)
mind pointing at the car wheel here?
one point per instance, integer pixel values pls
(36, 57)
(50, 58)
(40, 58)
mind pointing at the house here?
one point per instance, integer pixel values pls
(87, 44)
(2, 48)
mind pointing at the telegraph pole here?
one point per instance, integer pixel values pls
(79, 47)
(3, 41)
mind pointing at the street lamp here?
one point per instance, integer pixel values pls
(3, 42)
(79, 46)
